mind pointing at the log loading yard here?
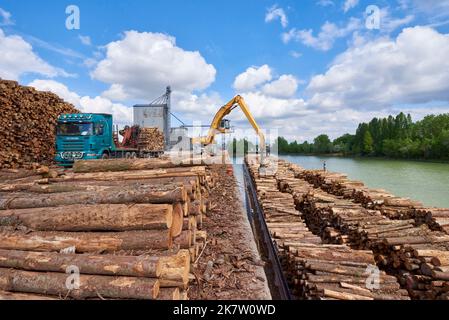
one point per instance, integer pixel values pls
(154, 229)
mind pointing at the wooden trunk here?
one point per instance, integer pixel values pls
(150, 194)
(83, 166)
(86, 242)
(90, 286)
(142, 266)
(101, 217)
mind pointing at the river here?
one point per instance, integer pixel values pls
(427, 182)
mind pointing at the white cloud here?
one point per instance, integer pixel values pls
(266, 109)
(6, 18)
(144, 63)
(325, 3)
(349, 4)
(390, 23)
(121, 113)
(115, 92)
(324, 41)
(18, 58)
(252, 77)
(275, 13)
(295, 54)
(412, 69)
(57, 88)
(284, 87)
(85, 40)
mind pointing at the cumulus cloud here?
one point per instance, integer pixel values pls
(349, 4)
(121, 113)
(284, 87)
(144, 63)
(252, 77)
(326, 38)
(17, 58)
(275, 13)
(411, 69)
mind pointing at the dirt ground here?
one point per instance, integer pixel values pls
(230, 266)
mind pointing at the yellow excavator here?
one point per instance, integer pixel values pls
(221, 125)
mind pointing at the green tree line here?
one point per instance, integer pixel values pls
(395, 137)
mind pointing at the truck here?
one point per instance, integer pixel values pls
(91, 136)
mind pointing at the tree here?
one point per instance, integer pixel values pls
(367, 143)
(322, 144)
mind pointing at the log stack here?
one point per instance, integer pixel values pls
(314, 270)
(131, 234)
(28, 121)
(410, 252)
(392, 207)
(151, 139)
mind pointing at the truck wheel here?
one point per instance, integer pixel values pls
(105, 156)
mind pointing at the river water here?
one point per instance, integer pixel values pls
(423, 181)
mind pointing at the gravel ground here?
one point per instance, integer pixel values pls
(230, 267)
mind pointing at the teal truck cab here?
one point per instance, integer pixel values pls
(91, 136)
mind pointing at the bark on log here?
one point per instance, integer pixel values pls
(5, 295)
(175, 270)
(150, 194)
(168, 294)
(54, 284)
(133, 175)
(102, 217)
(83, 166)
(86, 242)
(111, 265)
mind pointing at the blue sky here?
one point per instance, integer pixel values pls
(305, 67)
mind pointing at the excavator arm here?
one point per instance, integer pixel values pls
(224, 111)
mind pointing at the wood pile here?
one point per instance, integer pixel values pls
(131, 234)
(436, 218)
(410, 252)
(28, 121)
(389, 205)
(314, 270)
(151, 139)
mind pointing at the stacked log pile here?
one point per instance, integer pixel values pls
(410, 252)
(151, 139)
(314, 270)
(393, 207)
(131, 234)
(28, 121)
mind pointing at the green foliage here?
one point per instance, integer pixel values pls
(396, 137)
(322, 144)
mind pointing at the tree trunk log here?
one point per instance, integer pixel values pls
(149, 194)
(133, 175)
(168, 294)
(109, 265)
(102, 217)
(83, 166)
(5, 295)
(87, 242)
(175, 270)
(54, 284)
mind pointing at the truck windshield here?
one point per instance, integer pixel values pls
(74, 129)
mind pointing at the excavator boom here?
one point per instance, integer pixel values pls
(224, 111)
